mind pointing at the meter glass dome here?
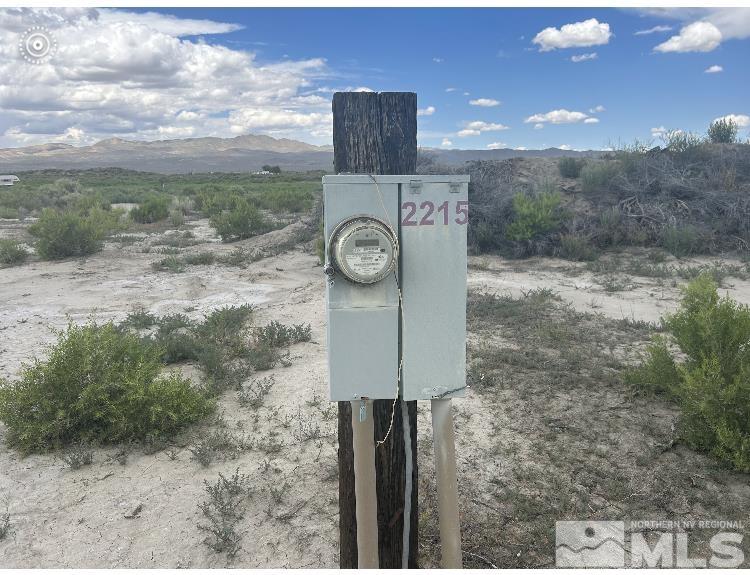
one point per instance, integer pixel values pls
(363, 249)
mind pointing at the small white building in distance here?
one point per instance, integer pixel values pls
(8, 180)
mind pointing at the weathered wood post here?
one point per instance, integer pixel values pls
(376, 133)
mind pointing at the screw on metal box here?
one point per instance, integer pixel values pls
(415, 186)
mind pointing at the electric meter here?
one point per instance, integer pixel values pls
(363, 249)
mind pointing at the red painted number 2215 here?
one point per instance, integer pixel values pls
(429, 215)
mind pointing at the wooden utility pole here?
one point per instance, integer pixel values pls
(376, 133)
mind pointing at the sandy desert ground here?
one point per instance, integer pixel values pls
(521, 451)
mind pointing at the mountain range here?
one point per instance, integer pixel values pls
(241, 154)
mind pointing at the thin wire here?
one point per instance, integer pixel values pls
(400, 306)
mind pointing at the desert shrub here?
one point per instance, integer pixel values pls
(176, 218)
(223, 510)
(154, 209)
(681, 142)
(680, 241)
(200, 259)
(576, 248)
(276, 334)
(711, 377)
(534, 215)
(570, 167)
(12, 253)
(169, 264)
(242, 221)
(99, 383)
(598, 176)
(62, 234)
(7, 213)
(723, 131)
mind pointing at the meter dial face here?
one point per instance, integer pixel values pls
(363, 250)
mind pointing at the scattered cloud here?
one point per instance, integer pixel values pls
(557, 117)
(715, 69)
(591, 121)
(477, 127)
(497, 146)
(451, 89)
(520, 148)
(659, 132)
(144, 76)
(539, 126)
(590, 32)
(654, 30)
(742, 120)
(485, 102)
(584, 57)
(565, 147)
(695, 37)
(428, 111)
(467, 93)
(438, 60)
(597, 109)
(446, 143)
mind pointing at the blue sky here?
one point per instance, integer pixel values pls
(484, 77)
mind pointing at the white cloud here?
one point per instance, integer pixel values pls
(732, 22)
(742, 120)
(584, 57)
(484, 102)
(590, 32)
(428, 111)
(695, 37)
(446, 143)
(477, 127)
(597, 109)
(497, 146)
(539, 126)
(467, 93)
(557, 117)
(437, 60)
(451, 89)
(140, 76)
(591, 121)
(659, 132)
(520, 148)
(564, 147)
(654, 30)
(715, 69)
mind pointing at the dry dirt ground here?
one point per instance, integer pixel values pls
(548, 430)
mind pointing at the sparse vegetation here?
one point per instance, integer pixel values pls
(223, 510)
(12, 253)
(77, 456)
(98, 384)
(711, 384)
(570, 167)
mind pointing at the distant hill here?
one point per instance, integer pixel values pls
(241, 154)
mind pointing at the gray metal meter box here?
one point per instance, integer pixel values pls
(382, 234)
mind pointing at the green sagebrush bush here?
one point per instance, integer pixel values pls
(154, 209)
(98, 384)
(723, 131)
(597, 176)
(712, 383)
(12, 253)
(242, 220)
(570, 167)
(63, 234)
(534, 215)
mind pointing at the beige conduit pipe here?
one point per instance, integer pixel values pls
(363, 442)
(447, 485)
